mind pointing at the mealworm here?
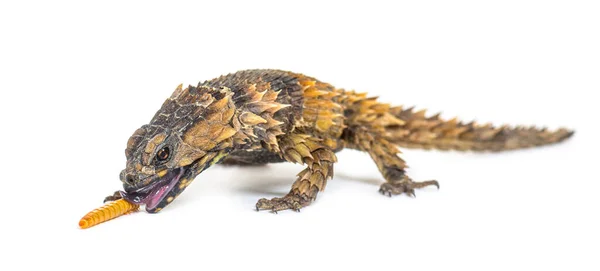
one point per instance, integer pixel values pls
(107, 212)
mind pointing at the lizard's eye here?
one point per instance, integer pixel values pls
(163, 154)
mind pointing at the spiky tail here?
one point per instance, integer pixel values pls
(435, 133)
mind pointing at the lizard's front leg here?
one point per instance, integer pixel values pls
(319, 159)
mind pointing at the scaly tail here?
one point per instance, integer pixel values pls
(423, 132)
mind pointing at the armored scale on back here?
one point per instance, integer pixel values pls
(256, 117)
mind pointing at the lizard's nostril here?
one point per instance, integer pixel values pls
(126, 178)
(130, 179)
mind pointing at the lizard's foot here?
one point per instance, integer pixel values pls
(405, 185)
(289, 201)
(113, 197)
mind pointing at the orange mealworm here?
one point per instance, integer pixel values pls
(107, 212)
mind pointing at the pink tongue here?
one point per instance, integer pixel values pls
(155, 199)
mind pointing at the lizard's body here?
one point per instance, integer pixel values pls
(267, 116)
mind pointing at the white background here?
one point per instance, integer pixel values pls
(78, 78)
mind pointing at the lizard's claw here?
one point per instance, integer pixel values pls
(290, 201)
(115, 196)
(405, 185)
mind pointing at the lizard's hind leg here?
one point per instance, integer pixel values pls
(385, 156)
(302, 149)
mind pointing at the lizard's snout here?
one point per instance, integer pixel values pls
(127, 178)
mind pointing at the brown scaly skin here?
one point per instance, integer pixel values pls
(265, 116)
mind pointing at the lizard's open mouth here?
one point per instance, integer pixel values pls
(154, 193)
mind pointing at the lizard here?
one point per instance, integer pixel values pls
(255, 117)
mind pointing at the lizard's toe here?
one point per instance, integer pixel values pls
(289, 202)
(265, 204)
(406, 186)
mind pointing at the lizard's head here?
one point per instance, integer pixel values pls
(161, 167)
(181, 141)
